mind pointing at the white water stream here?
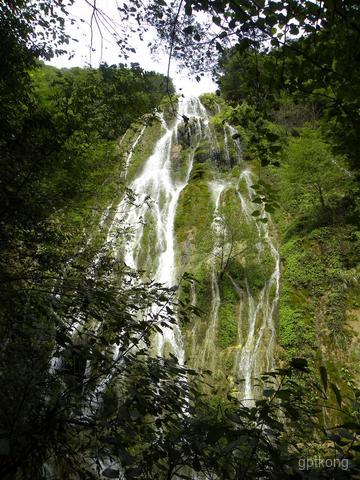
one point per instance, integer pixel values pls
(157, 195)
(256, 306)
(132, 149)
(207, 359)
(256, 352)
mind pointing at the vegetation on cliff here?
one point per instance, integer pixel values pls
(82, 396)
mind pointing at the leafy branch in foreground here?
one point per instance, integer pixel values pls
(81, 394)
(67, 341)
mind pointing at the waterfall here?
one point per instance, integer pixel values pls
(157, 194)
(152, 246)
(234, 132)
(257, 351)
(256, 311)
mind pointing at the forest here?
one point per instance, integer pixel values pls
(179, 276)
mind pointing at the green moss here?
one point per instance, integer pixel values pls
(202, 153)
(258, 268)
(194, 212)
(228, 311)
(180, 158)
(296, 332)
(235, 171)
(147, 253)
(316, 291)
(201, 172)
(353, 298)
(255, 275)
(227, 291)
(228, 329)
(242, 186)
(203, 288)
(229, 363)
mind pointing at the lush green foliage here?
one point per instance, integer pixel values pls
(105, 100)
(307, 49)
(311, 173)
(80, 395)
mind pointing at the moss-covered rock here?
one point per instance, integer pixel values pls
(194, 212)
(202, 153)
(145, 146)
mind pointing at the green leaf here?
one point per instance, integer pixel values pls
(324, 377)
(284, 394)
(188, 30)
(196, 464)
(110, 473)
(188, 9)
(4, 447)
(219, 47)
(216, 20)
(299, 364)
(275, 148)
(292, 411)
(337, 393)
(268, 392)
(269, 208)
(272, 137)
(232, 24)
(351, 425)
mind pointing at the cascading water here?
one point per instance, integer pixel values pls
(207, 357)
(152, 246)
(157, 189)
(257, 348)
(157, 193)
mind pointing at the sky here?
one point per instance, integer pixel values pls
(110, 53)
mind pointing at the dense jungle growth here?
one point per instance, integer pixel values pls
(179, 277)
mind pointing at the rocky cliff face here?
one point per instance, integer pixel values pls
(195, 217)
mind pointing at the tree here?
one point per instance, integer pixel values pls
(306, 48)
(311, 174)
(232, 240)
(75, 361)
